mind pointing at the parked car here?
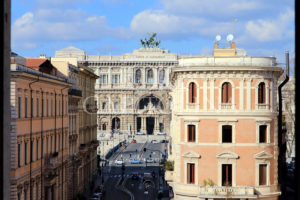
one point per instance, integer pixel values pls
(134, 175)
(161, 133)
(133, 141)
(154, 142)
(119, 162)
(164, 141)
(140, 133)
(149, 160)
(134, 161)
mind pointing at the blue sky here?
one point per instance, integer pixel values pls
(186, 27)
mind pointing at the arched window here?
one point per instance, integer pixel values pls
(150, 76)
(262, 93)
(162, 76)
(104, 127)
(226, 93)
(192, 93)
(138, 76)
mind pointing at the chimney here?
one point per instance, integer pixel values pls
(215, 45)
(287, 61)
(233, 45)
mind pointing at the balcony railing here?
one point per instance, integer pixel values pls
(227, 191)
(262, 106)
(51, 160)
(226, 106)
(75, 92)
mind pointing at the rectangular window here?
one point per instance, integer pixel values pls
(19, 155)
(263, 134)
(47, 107)
(42, 147)
(31, 151)
(25, 153)
(47, 145)
(103, 78)
(115, 79)
(58, 142)
(190, 173)
(43, 114)
(226, 175)
(37, 107)
(51, 144)
(26, 107)
(263, 174)
(19, 107)
(31, 107)
(227, 134)
(191, 133)
(51, 107)
(37, 149)
(103, 105)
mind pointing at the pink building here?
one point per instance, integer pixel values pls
(224, 126)
(39, 130)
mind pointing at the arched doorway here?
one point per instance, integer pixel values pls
(150, 125)
(116, 124)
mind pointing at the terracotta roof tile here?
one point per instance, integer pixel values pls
(35, 62)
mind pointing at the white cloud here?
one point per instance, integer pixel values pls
(60, 25)
(212, 8)
(270, 30)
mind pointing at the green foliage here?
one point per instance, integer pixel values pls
(208, 182)
(215, 192)
(151, 41)
(169, 165)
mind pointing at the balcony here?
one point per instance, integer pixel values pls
(223, 191)
(75, 92)
(52, 161)
(262, 106)
(226, 106)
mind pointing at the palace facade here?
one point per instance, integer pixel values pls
(224, 126)
(132, 90)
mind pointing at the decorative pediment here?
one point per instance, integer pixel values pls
(263, 155)
(191, 154)
(227, 155)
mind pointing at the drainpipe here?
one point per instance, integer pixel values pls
(62, 139)
(31, 148)
(281, 136)
(42, 126)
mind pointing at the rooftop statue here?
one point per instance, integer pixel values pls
(151, 42)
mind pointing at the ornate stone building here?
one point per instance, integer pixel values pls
(132, 90)
(224, 126)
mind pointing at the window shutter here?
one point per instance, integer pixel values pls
(263, 93)
(188, 173)
(190, 93)
(194, 93)
(192, 173)
(224, 93)
(229, 90)
(263, 174)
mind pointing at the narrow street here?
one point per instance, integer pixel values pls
(148, 177)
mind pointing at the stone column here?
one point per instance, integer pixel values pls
(143, 124)
(156, 125)
(155, 82)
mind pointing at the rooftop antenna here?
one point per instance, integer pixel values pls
(230, 38)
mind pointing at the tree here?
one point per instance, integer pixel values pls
(151, 41)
